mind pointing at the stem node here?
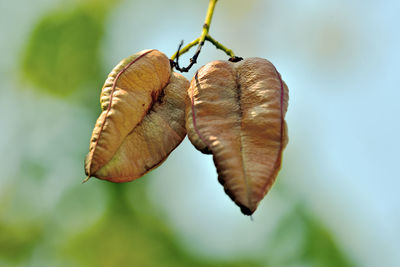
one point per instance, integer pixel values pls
(200, 43)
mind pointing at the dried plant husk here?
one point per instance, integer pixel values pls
(142, 118)
(236, 113)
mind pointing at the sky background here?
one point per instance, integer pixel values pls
(338, 58)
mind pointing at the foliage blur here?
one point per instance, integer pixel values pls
(47, 218)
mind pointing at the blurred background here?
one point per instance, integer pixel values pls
(335, 202)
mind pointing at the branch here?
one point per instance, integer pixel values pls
(200, 42)
(227, 51)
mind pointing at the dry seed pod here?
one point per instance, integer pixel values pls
(142, 118)
(237, 113)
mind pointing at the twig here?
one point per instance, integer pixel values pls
(200, 42)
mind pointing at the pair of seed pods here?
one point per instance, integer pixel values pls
(234, 111)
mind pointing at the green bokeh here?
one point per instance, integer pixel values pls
(62, 54)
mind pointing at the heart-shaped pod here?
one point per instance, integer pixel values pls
(237, 114)
(142, 118)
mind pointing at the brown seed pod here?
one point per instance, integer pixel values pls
(142, 118)
(237, 113)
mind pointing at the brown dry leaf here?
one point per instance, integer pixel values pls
(142, 118)
(237, 113)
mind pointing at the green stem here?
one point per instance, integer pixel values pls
(205, 36)
(186, 48)
(207, 22)
(220, 46)
(204, 33)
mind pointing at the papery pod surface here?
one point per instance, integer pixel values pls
(142, 118)
(236, 113)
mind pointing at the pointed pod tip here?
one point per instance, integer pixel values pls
(245, 210)
(86, 179)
